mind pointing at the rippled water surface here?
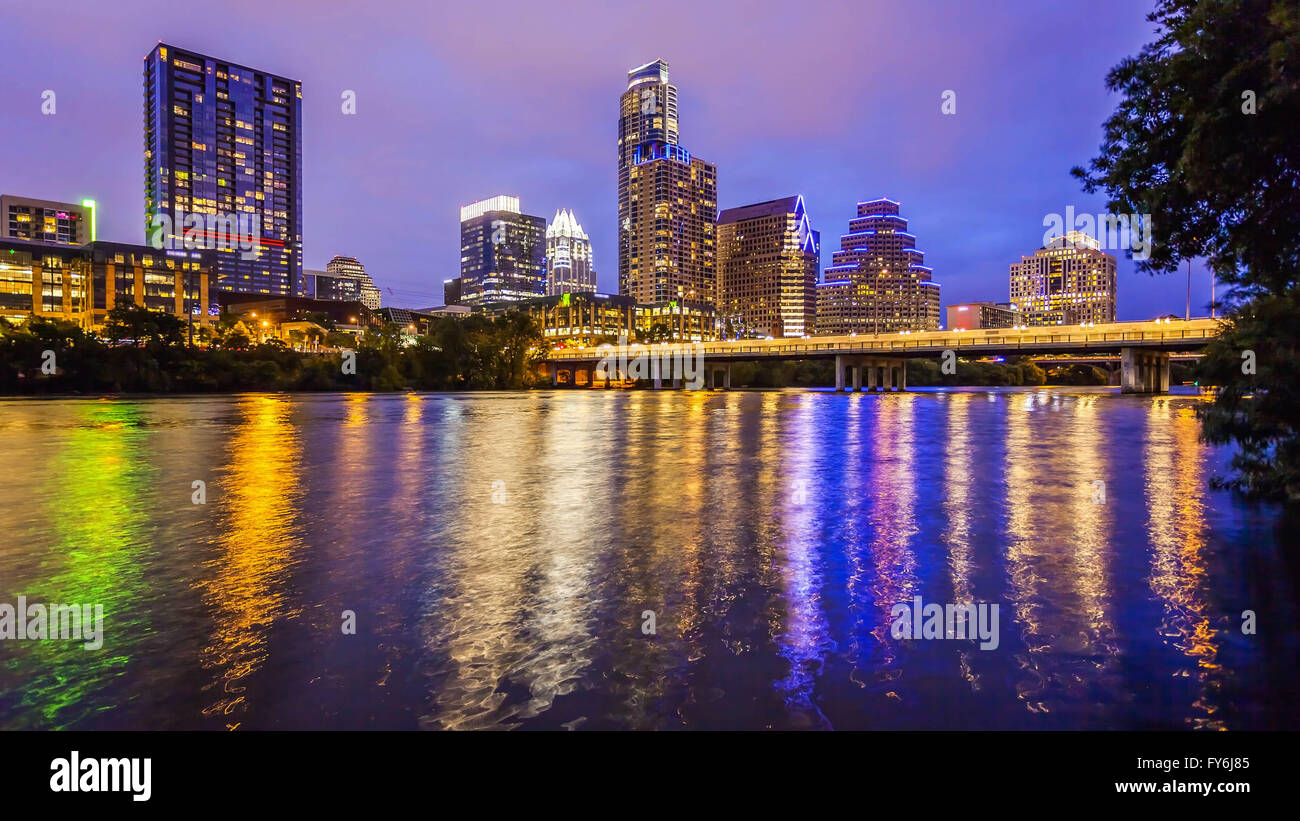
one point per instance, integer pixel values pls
(500, 552)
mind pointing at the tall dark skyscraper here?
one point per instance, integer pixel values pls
(667, 199)
(224, 141)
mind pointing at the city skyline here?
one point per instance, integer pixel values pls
(977, 184)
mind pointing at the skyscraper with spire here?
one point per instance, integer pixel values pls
(568, 257)
(667, 199)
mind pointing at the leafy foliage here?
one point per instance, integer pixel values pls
(146, 351)
(1204, 140)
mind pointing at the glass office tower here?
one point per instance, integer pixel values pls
(224, 141)
(502, 253)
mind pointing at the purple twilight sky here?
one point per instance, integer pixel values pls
(838, 101)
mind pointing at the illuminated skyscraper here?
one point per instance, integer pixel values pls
(226, 140)
(348, 268)
(1069, 281)
(502, 253)
(667, 200)
(877, 283)
(568, 257)
(768, 260)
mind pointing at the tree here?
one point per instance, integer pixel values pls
(659, 332)
(1203, 140)
(520, 342)
(143, 327)
(340, 339)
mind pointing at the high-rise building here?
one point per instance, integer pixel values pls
(502, 253)
(225, 141)
(768, 260)
(348, 268)
(877, 283)
(60, 223)
(1068, 281)
(568, 257)
(667, 199)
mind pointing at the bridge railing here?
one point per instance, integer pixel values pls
(1203, 331)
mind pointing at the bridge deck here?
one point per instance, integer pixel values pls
(1176, 335)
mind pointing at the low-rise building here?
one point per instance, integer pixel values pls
(972, 316)
(259, 311)
(583, 319)
(61, 223)
(83, 283)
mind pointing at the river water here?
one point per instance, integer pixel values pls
(503, 558)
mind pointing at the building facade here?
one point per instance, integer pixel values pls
(348, 268)
(324, 285)
(768, 262)
(972, 316)
(502, 254)
(569, 267)
(667, 199)
(451, 291)
(878, 282)
(83, 283)
(588, 319)
(578, 319)
(224, 141)
(60, 223)
(1069, 281)
(254, 310)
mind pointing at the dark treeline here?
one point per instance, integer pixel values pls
(145, 351)
(1203, 141)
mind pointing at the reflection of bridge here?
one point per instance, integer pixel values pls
(1143, 348)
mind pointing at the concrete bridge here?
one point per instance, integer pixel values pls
(879, 361)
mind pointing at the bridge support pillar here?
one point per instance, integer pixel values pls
(657, 378)
(857, 377)
(902, 374)
(719, 377)
(870, 368)
(1143, 371)
(555, 374)
(839, 374)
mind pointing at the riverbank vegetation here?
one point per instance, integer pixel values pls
(1203, 141)
(145, 351)
(149, 352)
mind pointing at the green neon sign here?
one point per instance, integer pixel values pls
(91, 205)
